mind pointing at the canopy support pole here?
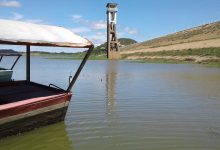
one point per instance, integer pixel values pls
(28, 63)
(79, 69)
(15, 62)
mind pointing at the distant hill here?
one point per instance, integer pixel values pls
(7, 51)
(122, 42)
(201, 33)
(98, 53)
(126, 41)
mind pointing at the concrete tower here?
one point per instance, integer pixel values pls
(112, 41)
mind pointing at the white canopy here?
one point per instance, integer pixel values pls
(23, 33)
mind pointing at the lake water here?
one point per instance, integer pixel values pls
(118, 105)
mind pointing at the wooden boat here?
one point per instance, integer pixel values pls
(5, 73)
(25, 105)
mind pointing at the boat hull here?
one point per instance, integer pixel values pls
(26, 115)
(29, 123)
(5, 75)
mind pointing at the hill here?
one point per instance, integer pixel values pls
(202, 42)
(101, 49)
(200, 33)
(99, 52)
(8, 51)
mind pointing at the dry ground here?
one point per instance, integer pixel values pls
(182, 46)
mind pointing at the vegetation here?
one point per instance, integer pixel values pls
(200, 33)
(208, 53)
(189, 52)
(210, 62)
(101, 49)
(79, 57)
(210, 56)
(99, 52)
(126, 41)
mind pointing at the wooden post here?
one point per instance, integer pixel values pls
(28, 63)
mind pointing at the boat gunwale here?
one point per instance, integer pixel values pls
(60, 93)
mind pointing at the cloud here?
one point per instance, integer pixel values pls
(76, 17)
(17, 16)
(80, 30)
(20, 17)
(130, 30)
(79, 19)
(98, 38)
(98, 25)
(95, 25)
(96, 29)
(101, 33)
(7, 3)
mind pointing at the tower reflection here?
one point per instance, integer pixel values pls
(111, 88)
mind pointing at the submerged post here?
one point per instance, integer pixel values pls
(112, 41)
(28, 63)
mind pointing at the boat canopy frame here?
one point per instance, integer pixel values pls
(57, 33)
(17, 55)
(71, 84)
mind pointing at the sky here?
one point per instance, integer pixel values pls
(140, 20)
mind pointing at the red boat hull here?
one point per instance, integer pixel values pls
(32, 112)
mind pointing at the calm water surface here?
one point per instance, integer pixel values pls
(119, 105)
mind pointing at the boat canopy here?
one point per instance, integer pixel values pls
(29, 34)
(24, 33)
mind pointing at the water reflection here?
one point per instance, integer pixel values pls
(111, 95)
(111, 83)
(53, 137)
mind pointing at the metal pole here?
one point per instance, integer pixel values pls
(15, 62)
(28, 63)
(1, 58)
(79, 69)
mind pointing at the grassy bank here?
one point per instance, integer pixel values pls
(214, 63)
(79, 57)
(189, 52)
(207, 56)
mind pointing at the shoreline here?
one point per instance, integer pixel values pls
(204, 56)
(156, 61)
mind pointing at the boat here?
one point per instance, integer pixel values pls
(26, 105)
(6, 73)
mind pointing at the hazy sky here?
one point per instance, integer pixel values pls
(137, 19)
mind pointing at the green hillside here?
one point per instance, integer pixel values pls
(101, 49)
(99, 52)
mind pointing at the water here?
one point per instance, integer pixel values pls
(125, 106)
